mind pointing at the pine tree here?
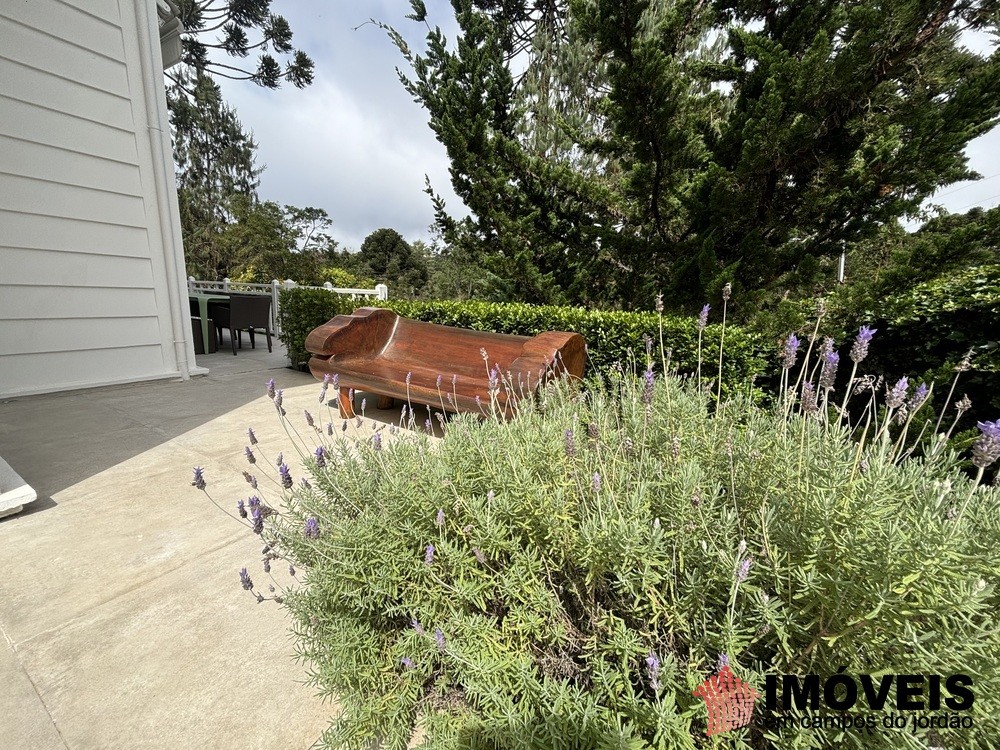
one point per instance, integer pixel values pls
(740, 140)
(215, 160)
(229, 21)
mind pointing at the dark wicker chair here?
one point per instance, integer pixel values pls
(245, 312)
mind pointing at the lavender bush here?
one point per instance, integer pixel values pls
(567, 578)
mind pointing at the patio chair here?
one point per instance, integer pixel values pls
(248, 312)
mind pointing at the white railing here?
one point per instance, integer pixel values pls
(197, 286)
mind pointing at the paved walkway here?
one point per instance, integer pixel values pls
(122, 619)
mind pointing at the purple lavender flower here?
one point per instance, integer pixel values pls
(494, 383)
(859, 350)
(895, 396)
(727, 292)
(428, 426)
(438, 382)
(647, 341)
(429, 554)
(409, 377)
(809, 404)
(311, 529)
(440, 518)
(270, 389)
(309, 418)
(245, 580)
(320, 454)
(986, 449)
(322, 393)
(252, 436)
(305, 484)
(647, 391)
(703, 317)
(267, 568)
(279, 396)
(479, 555)
(364, 405)
(253, 502)
(241, 508)
(343, 427)
(451, 401)
(653, 670)
(828, 370)
(326, 380)
(251, 479)
(439, 638)
(407, 662)
(479, 402)
(336, 381)
(377, 441)
(489, 497)
(329, 429)
(454, 380)
(279, 460)
(248, 452)
(483, 354)
(570, 444)
(286, 476)
(417, 627)
(790, 352)
(291, 570)
(258, 521)
(659, 303)
(595, 483)
(918, 397)
(199, 478)
(743, 571)
(722, 662)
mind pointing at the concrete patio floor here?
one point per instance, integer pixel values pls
(124, 624)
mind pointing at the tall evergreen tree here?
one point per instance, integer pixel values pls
(215, 160)
(738, 140)
(223, 25)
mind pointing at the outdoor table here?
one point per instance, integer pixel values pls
(203, 300)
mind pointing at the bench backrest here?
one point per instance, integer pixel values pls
(451, 351)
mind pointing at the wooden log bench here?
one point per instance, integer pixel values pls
(376, 351)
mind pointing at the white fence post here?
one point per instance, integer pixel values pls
(381, 291)
(190, 284)
(225, 285)
(328, 286)
(274, 305)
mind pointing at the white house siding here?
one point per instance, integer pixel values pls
(89, 242)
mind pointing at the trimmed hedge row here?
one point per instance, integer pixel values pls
(612, 337)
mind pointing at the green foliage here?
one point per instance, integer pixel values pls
(344, 279)
(504, 587)
(301, 310)
(654, 146)
(215, 162)
(232, 19)
(614, 338)
(390, 259)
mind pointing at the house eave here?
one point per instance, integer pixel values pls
(171, 29)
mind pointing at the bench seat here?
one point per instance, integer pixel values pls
(376, 351)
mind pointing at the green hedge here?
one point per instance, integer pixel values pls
(612, 336)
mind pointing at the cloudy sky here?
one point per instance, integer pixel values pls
(355, 144)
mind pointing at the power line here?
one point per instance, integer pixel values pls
(978, 203)
(973, 184)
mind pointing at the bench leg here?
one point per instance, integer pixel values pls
(346, 404)
(384, 402)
